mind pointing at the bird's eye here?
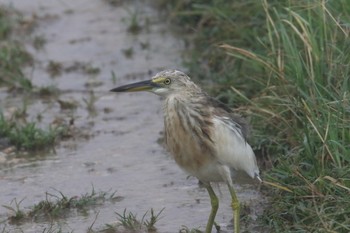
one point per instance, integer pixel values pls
(167, 81)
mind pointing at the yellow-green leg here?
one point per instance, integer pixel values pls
(214, 208)
(235, 207)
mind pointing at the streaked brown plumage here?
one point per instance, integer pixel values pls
(203, 135)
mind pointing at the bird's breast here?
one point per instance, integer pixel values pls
(186, 137)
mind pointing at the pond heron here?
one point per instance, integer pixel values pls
(205, 137)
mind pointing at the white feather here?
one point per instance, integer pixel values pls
(232, 149)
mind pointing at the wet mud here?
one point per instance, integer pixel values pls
(90, 47)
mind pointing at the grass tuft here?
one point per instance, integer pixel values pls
(150, 224)
(17, 213)
(128, 222)
(28, 136)
(13, 56)
(58, 206)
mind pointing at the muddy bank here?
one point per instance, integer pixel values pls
(92, 49)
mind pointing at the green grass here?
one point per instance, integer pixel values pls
(58, 206)
(55, 206)
(17, 213)
(134, 26)
(13, 56)
(288, 66)
(28, 136)
(5, 24)
(129, 222)
(39, 42)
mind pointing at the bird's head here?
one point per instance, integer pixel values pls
(163, 83)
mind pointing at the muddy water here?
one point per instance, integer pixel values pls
(117, 145)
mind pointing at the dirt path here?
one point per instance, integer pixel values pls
(87, 41)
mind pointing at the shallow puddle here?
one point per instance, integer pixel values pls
(90, 44)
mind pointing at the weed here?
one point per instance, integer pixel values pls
(144, 45)
(114, 3)
(58, 206)
(54, 68)
(6, 23)
(53, 229)
(150, 224)
(134, 24)
(17, 213)
(128, 53)
(130, 223)
(90, 229)
(90, 103)
(39, 42)
(48, 91)
(13, 56)
(28, 136)
(113, 77)
(5, 126)
(89, 69)
(85, 68)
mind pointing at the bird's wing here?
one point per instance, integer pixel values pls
(231, 147)
(221, 109)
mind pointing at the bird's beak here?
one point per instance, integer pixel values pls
(147, 85)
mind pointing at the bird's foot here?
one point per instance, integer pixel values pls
(217, 227)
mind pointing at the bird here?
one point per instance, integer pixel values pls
(206, 138)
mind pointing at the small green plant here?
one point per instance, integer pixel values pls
(26, 135)
(113, 77)
(150, 224)
(48, 91)
(91, 70)
(17, 213)
(13, 57)
(114, 3)
(144, 45)
(130, 223)
(29, 137)
(90, 103)
(39, 42)
(5, 126)
(53, 229)
(134, 22)
(6, 23)
(59, 205)
(128, 53)
(54, 68)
